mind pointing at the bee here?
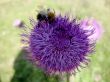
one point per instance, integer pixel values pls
(46, 15)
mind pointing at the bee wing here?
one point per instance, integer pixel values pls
(40, 8)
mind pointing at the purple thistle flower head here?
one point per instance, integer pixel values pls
(59, 47)
(18, 23)
(92, 24)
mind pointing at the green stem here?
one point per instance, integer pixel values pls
(46, 78)
(68, 77)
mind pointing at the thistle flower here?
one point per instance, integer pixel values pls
(59, 47)
(92, 24)
(18, 23)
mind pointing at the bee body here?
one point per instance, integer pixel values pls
(46, 15)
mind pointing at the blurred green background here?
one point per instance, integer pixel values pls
(13, 66)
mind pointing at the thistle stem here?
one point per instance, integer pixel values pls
(68, 77)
